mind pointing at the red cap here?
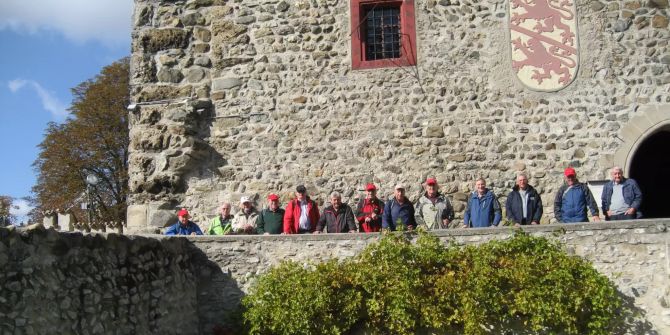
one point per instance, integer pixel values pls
(273, 197)
(370, 187)
(431, 181)
(183, 212)
(569, 172)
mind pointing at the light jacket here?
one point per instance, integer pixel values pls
(394, 211)
(340, 221)
(431, 215)
(220, 226)
(179, 229)
(365, 209)
(292, 216)
(482, 212)
(242, 220)
(631, 195)
(514, 206)
(571, 203)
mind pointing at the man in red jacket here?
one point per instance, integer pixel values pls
(369, 210)
(302, 213)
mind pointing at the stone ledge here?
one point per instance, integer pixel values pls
(661, 225)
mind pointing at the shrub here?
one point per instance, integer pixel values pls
(399, 287)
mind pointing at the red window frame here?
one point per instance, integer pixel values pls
(407, 31)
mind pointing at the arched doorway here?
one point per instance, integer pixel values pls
(650, 167)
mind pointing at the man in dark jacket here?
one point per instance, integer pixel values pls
(398, 210)
(184, 226)
(369, 210)
(621, 197)
(524, 205)
(483, 208)
(271, 219)
(572, 200)
(336, 218)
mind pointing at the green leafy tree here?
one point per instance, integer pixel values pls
(6, 218)
(92, 140)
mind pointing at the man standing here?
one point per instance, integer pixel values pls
(184, 226)
(524, 205)
(398, 210)
(271, 219)
(572, 200)
(483, 209)
(433, 209)
(222, 223)
(302, 213)
(621, 197)
(245, 221)
(369, 210)
(337, 218)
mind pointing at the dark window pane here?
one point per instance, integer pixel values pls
(383, 32)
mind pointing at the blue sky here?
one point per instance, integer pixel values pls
(49, 47)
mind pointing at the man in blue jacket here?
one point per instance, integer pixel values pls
(524, 205)
(398, 210)
(483, 209)
(572, 200)
(621, 197)
(184, 226)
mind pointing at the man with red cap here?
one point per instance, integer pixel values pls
(271, 219)
(433, 209)
(184, 226)
(572, 200)
(369, 210)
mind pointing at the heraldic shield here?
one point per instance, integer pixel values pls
(544, 42)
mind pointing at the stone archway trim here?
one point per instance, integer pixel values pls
(647, 121)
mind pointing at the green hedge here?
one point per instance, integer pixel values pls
(399, 287)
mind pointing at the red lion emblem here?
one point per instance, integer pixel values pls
(556, 60)
(547, 15)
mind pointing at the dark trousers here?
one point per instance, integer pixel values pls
(619, 217)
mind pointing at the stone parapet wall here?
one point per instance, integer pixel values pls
(634, 255)
(250, 97)
(70, 283)
(106, 283)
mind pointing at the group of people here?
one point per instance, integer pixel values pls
(621, 200)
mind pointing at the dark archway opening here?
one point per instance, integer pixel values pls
(651, 169)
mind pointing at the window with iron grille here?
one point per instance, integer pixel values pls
(383, 33)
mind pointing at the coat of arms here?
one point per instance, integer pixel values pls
(544, 43)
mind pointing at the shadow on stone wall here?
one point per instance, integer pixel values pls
(218, 297)
(633, 320)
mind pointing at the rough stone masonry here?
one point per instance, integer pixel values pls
(250, 97)
(73, 283)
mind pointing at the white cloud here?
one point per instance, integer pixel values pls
(49, 101)
(20, 209)
(107, 21)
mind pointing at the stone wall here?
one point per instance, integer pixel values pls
(633, 255)
(69, 283)
(74, 283)
(247, 97)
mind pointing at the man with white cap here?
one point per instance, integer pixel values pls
(398, 211)
(433, 209)
(271, 219)
(245, 221)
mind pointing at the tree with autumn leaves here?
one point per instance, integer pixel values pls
(92, 140)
